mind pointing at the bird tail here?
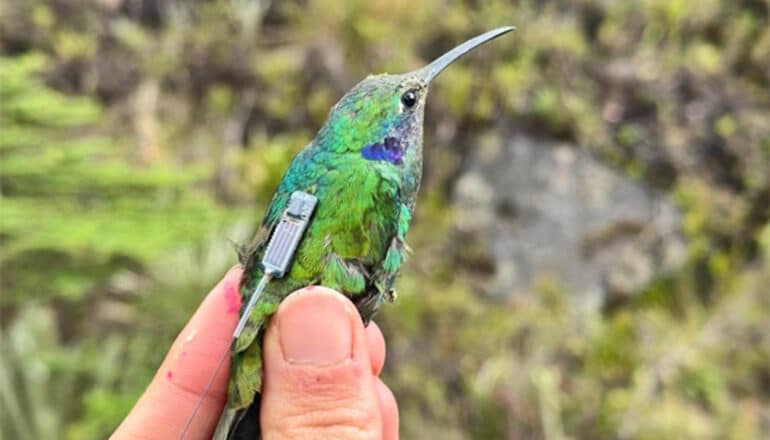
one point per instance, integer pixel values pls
(239, 424)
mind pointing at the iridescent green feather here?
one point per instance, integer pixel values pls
(354, 242)
(365, 167)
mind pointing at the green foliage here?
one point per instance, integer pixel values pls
(134, 142)
(72, 199)
(76, 213)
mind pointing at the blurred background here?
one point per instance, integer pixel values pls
(591, 245)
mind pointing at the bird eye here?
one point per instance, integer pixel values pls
(409, 98)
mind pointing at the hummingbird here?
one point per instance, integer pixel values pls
(364, 167)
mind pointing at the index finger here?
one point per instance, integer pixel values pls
(170, 399)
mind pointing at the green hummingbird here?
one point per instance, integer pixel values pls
(364, 167)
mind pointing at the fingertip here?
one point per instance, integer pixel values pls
(317, 327)
(313, 291)
(169, 399)
(199, 348)
(235, 271)
(221, 305)
(318, 377)
(376, 345)
(388, 410)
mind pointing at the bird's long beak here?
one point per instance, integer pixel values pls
(430, 71)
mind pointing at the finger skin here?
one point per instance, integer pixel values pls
(167, 404)
(169, 400)
(376, 345)
(389, 411)
(319, 400)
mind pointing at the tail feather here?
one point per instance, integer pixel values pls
(239, 424)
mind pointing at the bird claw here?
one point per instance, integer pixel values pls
(391, 295)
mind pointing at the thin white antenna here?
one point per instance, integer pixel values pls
(275, 263)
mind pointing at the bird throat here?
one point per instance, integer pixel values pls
(391, 149)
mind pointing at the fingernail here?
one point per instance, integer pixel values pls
(315, 329)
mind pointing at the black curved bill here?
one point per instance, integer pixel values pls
(433, 69)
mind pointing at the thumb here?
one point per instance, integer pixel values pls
(318, 377)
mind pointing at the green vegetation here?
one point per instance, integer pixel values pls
(135, 141)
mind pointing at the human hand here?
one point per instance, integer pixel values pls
(320, 365)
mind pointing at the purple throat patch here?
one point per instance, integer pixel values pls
(389, 149)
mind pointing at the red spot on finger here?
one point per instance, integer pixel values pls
(232, 298)
(309, 287)
(170, 375)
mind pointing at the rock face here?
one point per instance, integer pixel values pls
(530, 210)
